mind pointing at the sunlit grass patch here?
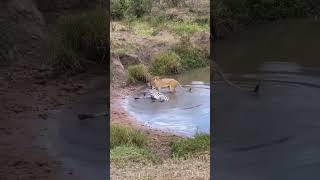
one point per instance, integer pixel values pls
(128, 155)
(137, 73)
(122, 47)
(141, 28)
(122, 135)
(191, 57)
(184, 148)
(181, 28)
(166, 62)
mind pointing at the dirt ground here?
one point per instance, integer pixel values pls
(28, 91)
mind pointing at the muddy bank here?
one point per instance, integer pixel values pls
(81, 144)
(27, 96)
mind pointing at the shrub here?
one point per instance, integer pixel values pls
(123, 8)
(124, 155)
(174, 3)
(157, 20)
(77, 39)
(137, 73)
(139, 8)
(65, 60)
(84, 33)
(188, 146)
(122, 135)
(119, 8)
(166, 62)
(191, 57)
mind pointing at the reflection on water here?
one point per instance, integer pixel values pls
(287, 107)
(295, 41)
(185, 113)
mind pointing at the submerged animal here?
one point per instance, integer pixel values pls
(156, 95)
(158, 83)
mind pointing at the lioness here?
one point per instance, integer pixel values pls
(158, 83)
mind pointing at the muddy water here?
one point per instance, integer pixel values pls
(275, 134)
(80, 144)
(185, 113)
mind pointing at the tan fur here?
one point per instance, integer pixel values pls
(159, 83)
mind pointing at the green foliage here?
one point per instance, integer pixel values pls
(124, 155)
(191, 57)
(166, 62)
(119, 8)
(139, 8)
(183, 27)
(64, 60)
(174, 3)
(77, 40)
(123, 8)
(157, 20)
(84, 33)
(137, 73)
(122, 135)
(188, 146)
(141, 28)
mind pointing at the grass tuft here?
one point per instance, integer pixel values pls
(78, 39)
(122, 135)
(126, 155)
(191, 57)
(137, 73)
(166, 62)
(184, 148)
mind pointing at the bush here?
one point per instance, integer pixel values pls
(139, 8)
(190, 57)
(189, 146)
(122, 135)
(166, 62)
(138, 73)
(65, 60)
(119, 8)
(174, 3)
(124, 155)
(84, 33)
(123, 8)
(158, 20)
(77, 40)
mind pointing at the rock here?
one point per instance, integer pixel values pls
(129, 59)
(117, 69)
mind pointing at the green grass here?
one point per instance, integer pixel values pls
(122, 135)
(137, 73)
(126, 155)
(191, 57)
(76, 40)
(141, 28)
(166, 62)
(181, 28)
(148, 26)
(184, 148)
(122, 48)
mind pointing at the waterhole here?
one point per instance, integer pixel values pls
(186, 113)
